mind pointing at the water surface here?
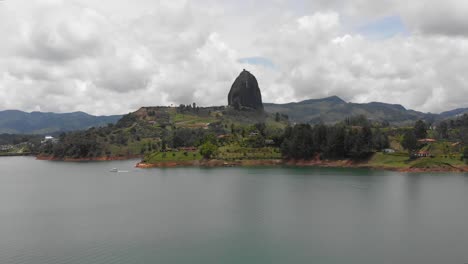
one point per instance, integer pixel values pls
(54, 212)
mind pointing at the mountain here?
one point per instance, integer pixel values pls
(334, 109)
(245, 92)
(18, 122)
(454, 113)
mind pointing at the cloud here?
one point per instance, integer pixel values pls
(420, 71)
(449, 18)
(109, 57)
(80, 59)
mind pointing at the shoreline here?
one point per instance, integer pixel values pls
(213, 163)
(48, 158)
(292, 163)
(17, 155)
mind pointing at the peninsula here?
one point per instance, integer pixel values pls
(244, 134)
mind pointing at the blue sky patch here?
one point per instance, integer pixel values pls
(383, 28)
(262, 61)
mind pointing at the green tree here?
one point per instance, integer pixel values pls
(261, 127)
(298, 142)
(465, 155)
(442, 130)
(410, 142)
(208, 150)
(420, 129)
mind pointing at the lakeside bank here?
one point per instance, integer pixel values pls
(299, 163)
(378, 161)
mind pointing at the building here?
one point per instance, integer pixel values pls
(427, 140)
(254, 134)
(422, 154)
(50, 139)
(6, 147)
(388, 150)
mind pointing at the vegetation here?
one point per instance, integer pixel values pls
(19, 144)
(208, 150)
(189, 132)
(409, 141)
(172, 156)
(169, 129)
(38, 123)
(332, 142)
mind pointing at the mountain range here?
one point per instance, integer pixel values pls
(329, 110)
(19, 122)
(333, 109)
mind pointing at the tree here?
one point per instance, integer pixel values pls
(208, 150)
(277, 117)
(420, 129)
(410, 142)
(380, 140)
(261, 127)
(359, 142)
(336, 142)
(442, 130)
(298, 143)
(465, 155)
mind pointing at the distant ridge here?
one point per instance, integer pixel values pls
(334, 109)
(331, 99)
(455, 112)
(329, 110)
(19, 122)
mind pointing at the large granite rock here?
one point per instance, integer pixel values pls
(245, 92)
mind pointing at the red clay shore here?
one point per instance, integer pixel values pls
(293, 163)
(209, 163)
(259, 163)
(105, 158)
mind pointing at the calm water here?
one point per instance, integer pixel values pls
(53, 212)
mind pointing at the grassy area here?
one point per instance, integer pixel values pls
(172, 156)
(441, 148)
(131, 148)
(437, 162)
(235, 152)
(401, 161)
(393, 160)
(192, 121)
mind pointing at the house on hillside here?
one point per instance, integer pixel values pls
(388, 150)
(422, 154)
(6, 147)
(427, 140)
(254, 134)
(48, 139)
(188, 149)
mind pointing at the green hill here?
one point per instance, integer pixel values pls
(333, 110)
(153, 129)
(18, 122)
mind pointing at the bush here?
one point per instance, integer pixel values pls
(208, 150)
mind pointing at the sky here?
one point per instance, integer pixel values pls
(112, 57)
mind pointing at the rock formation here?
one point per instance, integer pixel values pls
(245, 92)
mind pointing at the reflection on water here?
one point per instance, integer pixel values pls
(54, 212)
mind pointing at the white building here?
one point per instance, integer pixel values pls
(49, 139)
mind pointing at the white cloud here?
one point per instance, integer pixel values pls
(108, 57)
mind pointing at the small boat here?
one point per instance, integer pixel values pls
(114, 170)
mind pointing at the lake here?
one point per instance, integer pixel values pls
(56, 213)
